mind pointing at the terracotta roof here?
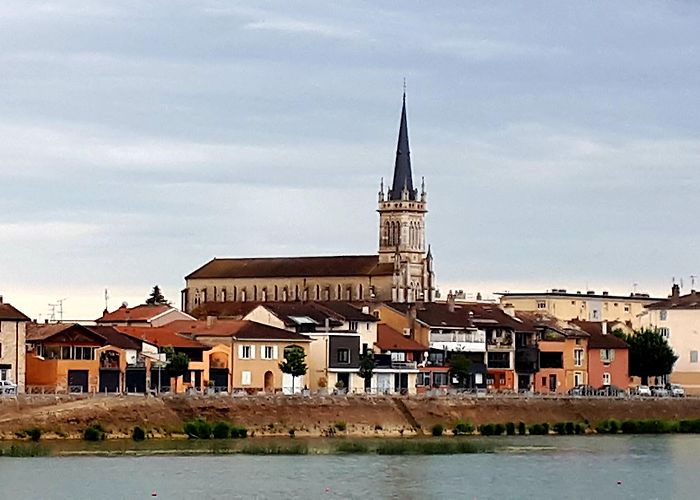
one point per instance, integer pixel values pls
(116, 338)
(277, 267)
(389, 339)
(10, 313)
(37, 332)
(241, 330)
(143, 312)
(597, 339)
(643, 297)
(436, 314)
(537, 320)
(232, 310)
(169, 335)
(689, 301)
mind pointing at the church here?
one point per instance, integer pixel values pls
(401, 271)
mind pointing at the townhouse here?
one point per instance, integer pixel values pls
(142, 315)
(13, 329)
(608, 355)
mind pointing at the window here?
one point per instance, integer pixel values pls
(544, 381)
(578, 357)
(551, 360)
(693, 356)
(0, 349)
(398, 356)
(269, 352)
(607, 355)
(606, 379)
(663, 315)
(665, 332)
(245, 378)
(3, 374)
(627, 308)
(344, 356)
(578, 378)
(541, 304)
(499, 360)
(423, 379)
(246, 352)
(352, 326)
(439, 379)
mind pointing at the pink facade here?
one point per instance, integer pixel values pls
(608, 367)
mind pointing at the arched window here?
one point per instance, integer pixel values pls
(214, 295)
(386, 233)
(276, 291)
(285, 294)
(360, 292)
(223, 294)
(255, 293)
(296, 292)
(235, 294)
(349, 293)
(339, 293)
(243, 295)
(318, 292)
(263, 294)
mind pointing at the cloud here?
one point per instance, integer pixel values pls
(59, 231)
(482, 49)
(295, 26)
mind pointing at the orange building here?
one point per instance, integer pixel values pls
(608, 356)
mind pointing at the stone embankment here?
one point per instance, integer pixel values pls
(64, 416)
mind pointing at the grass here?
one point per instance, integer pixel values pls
(21, 450)
(296, 448)
(421, 447)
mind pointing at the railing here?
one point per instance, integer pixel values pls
(502, 342)
(458, 337)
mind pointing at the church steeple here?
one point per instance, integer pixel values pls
(403, 177)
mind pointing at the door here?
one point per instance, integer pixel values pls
(552, 383)
(343, 383)
(109, 380)
(384, 383)
(292, 385)
(219, 376)
(78, 380)
(135, 380)
(400, 382)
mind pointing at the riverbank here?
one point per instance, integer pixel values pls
(64, 417)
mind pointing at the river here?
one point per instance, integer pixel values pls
(542, 467)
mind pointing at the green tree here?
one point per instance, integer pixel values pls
(649, 353)
(367, 364)
(294, 363)
(460, 367)
(177, 362)
(156, 297)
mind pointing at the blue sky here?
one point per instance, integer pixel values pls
(560, 141)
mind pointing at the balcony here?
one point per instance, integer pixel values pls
(495, 343)
(384, 361)
(458, 341)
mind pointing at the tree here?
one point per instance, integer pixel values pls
(156, 297)
(178, 363)
(460, 367)
(294, 363)
(367, 365)
(649, 353)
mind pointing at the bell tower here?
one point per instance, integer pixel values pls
(402, 212)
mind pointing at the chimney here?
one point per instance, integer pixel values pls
(604, 327)
(451, 302)
(211, 321)
(470, 319)
(675, 291)
(0, 299)
(509, 309)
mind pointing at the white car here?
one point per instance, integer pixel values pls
(7, 388)
(642, 390)
(676, 391)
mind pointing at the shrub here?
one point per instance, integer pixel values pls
(487, 429)
(292, 432)
(539, 429)
(499, 429)
(570, 428)
(378, 427)
(580, 428)
(221, 430)
(610, 426)
(629, 427)
(341, 425)
(198, 429)
(238, 432)
(560, 428)
(34, 434)
(437, 430)
(462, 427)
(522, 428)
(138, 434)
(510, 428)
(351, 447)
(689, 426)
(94, 433)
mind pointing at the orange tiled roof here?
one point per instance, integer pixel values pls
(389, 339)
(143, 312)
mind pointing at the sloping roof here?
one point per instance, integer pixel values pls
(539, 319)
(37, 332)
(389, 339)
(10, 313)
(116, 338)
(241, 330)
(689, 301)
(143, 312)
(597, 340)
(634, 297)
(403, 177)
(232, 310)
(278, 267)
(436, 314)
(169, 335)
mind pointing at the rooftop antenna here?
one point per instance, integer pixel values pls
(106, 300)
(693, 277)
(634, 287)
(60, 307)
(52, 312)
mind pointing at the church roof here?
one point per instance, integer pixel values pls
(403, 177)
(287, 267)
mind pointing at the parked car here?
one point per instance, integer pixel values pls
(641, 390)
(612, 391)
(582, 390)
(659, 391)
(7, 388)
(676, 390)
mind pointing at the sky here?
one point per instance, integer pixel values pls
(560, 141)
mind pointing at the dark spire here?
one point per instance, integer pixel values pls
(403, 177)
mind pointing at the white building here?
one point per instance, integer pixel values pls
(13, 332)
